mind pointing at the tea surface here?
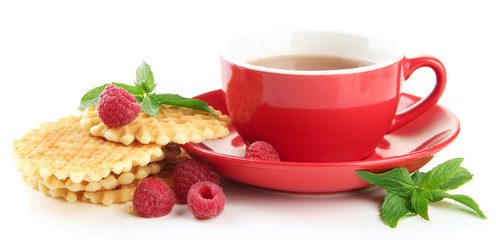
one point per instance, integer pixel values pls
(309, 62)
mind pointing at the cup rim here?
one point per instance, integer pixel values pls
(400, 54)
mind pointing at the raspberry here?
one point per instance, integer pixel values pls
(189, 172)
(206, 200)
(262, 150)
(116, 107)
(153, 198)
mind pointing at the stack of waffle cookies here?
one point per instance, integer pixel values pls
(78, 158)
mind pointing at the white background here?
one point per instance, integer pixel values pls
(52, 52)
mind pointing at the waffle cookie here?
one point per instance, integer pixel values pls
(173, 124)
(108, 183)
(64, 150)
(118, 194)
(121, 194)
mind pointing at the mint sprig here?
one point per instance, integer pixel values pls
(144, 78)
(143, 92)
(408, 195)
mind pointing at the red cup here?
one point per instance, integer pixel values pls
(325, 115)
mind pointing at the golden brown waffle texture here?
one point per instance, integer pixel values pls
(173, 124)
(64, 150)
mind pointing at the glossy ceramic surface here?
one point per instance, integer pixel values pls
(341, 114)
(411, 146)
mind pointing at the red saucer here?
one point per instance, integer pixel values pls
(411, 146)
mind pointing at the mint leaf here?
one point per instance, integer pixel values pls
(394, 208)
(396, 181)
(420, 199)
(437, 195)
(150, 105)
(467, 201)
(136, 91)
(417, 177)
(144, 78)
(91, 97)
(176, 100)
(460, 177)
(440, 174)
(171, 98)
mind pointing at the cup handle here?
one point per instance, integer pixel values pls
(410, 65)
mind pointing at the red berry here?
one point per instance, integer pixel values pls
(206, 200)
(262, 150)
(116, 107)
(153, 198)
(189, 172)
